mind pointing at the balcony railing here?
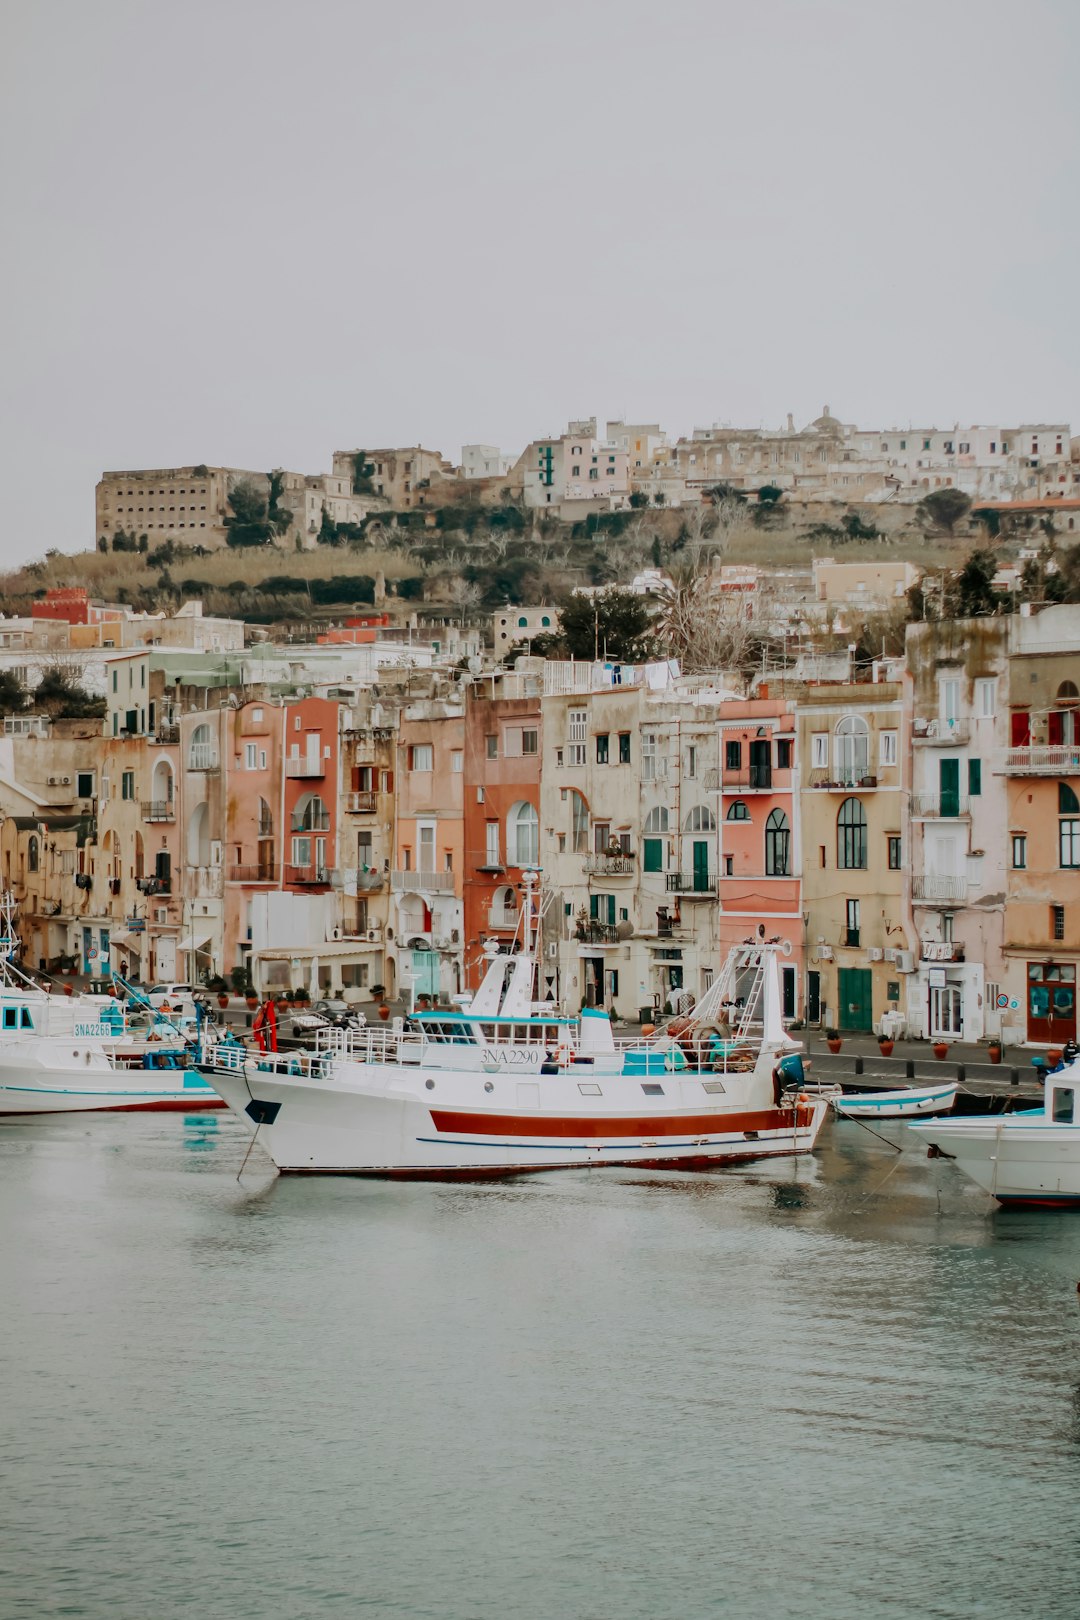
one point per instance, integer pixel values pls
(940, 950)
(158, 810)
(497, 917)
(690, 883)
(307, 766)
(938, 806)
(594, 932)
(839, 781)
(610, 865)
(303, 821)
(1043, 760)
(409, 882)
(933, 890)
(362, 803)
(944, 732)
(203, 757)
(261, 872)
(312, 876)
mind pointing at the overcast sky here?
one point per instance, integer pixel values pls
(250, 232)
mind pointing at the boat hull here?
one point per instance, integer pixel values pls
(916, 1101)
(1020, 1162)
(331, 1128)
(43, 1081)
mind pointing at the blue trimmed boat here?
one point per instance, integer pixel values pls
(912, 1100)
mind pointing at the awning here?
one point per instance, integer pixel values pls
(194, 942)
(127, 942)
(329, 948)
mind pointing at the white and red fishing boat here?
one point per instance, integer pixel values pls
(506, 1086)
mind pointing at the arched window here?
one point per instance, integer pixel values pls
(199, 836)
(546, 621)
(310, 815)
(1068, 692)
(523, 835)
(161, 787)
(1068, 827)
(1068, 804)
(523, 623)
(200, 753)
(737, 811)
(852, 748)
(657, 820)
(777, 845)
(266, 820)
(32, 854)
(579, 823)
(700, 819)
(851, 835)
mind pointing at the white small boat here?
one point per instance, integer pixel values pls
(1031, 1158)
(897, 1104)
(51, 1075)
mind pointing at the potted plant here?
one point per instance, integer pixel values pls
(941, 1049)
(378, 992)
(885, 1045)
(833, 1041)
(1053, 1057)
(995, 1049)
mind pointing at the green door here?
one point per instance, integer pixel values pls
(856, 999)
(425, 971)
(701, 865)
(950, 786)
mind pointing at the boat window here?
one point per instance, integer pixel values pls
(11, 1017)
(587, 1089)
(27, 1018)
(653, 1091)
(712, 1086)
(1064, 1105)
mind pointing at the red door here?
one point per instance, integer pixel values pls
(1051, 1009)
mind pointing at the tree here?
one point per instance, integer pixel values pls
(610, 623)
(769, 494)
(328, 530)
(12, 696)
(945, 507)
(256, 518)
(279, 516)
(60, 694)
(362, 471)
(971, 593)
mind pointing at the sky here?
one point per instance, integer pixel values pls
(250, 232)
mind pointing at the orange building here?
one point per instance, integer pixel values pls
(502, 811)
(426, 880)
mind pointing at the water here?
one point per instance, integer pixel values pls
(839, 1388)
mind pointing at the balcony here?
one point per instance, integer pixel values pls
(369, 934)
(1043, 760)
(203, 757)
(261, 872)
(498, 918)
(932, 890)
(311, 876)
(939, 806)
(166, 734)
(693, 885)
(362, 803)
(610, 865)
(409, 882)
(158, 810)
(308, 766)
(943, 733)
(595, 932)
(940, 950)
(839, 781)
(154, 885)
(758, 779)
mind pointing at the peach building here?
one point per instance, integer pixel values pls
(426, 879)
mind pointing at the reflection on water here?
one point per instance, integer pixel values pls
(839, 1387)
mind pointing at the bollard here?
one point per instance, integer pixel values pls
(1014, 1077)
(858, 1065)
(961, 1073)
(909, 1068)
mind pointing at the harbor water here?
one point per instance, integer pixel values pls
(842, 1387)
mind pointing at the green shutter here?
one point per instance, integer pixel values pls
(974, 777)
(654, 854)
(594, 906)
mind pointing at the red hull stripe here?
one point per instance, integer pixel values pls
(649, 1127)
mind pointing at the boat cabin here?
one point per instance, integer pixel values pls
(1062, 1102)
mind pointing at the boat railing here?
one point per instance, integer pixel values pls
(695, 1049)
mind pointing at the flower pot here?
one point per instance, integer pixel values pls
(69, 989)
(223, 1002)
(995, 1053)
(941, 1049)
(834, 1046)
(885, 1048)
(384, 1011)
(252, 1001)
(1053, 1057)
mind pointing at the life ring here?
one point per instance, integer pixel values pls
(564, 1056)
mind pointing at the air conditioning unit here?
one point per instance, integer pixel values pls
(824, 953)
(874, 954)
(905, 961)
(54, 781)
(65, 781)
(372, 935)
(891, 953)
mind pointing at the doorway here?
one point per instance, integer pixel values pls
(856, 999)
(1051, 1010)
(947, 1010)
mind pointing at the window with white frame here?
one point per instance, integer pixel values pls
(819, 750)
(251, 756)
(887, 749)
(421, 757)
(457, 761)
(949, 698)
(491, 844)
(985, 698)
(578, 721)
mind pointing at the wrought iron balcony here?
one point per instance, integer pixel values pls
(939, 806)
(361, 803)
(158, 810)
(261, 872)
(311, 876)
(623, 865)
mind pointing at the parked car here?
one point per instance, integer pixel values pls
(329, 1011)
(175, 994)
